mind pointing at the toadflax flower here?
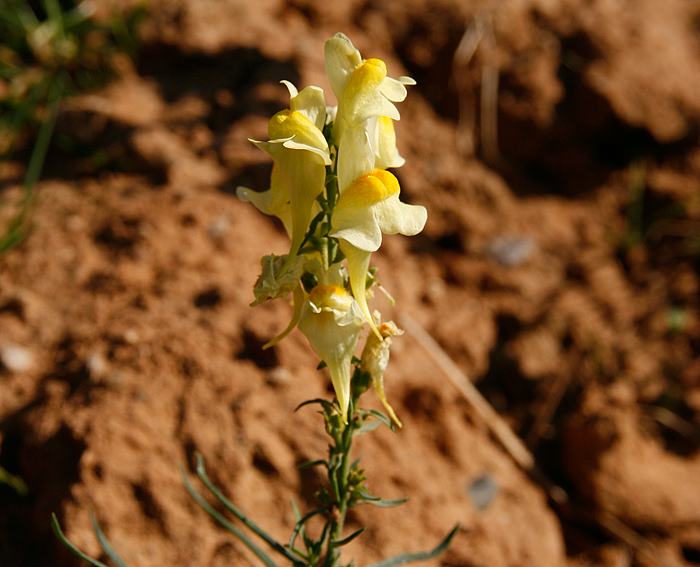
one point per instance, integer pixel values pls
(369, 207)
(363, 129)
(300, 155)
(331, 321)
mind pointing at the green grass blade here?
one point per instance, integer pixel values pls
(231, 507)
(14, 482)
(420, 556)
(36, 161)
(105, 544)
(16, 230)
(209, 509)
(72, 548)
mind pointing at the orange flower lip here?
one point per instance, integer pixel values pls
(330, 296)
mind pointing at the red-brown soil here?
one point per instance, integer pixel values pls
(562, 275)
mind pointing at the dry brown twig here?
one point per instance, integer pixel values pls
(517, 450)
(478, 34)
(500, 429)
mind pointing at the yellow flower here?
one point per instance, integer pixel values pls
(363, 129)
(375, 359)
(368, 208)
(332, 322)
(300, 153)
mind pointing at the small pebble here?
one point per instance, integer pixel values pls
(482, 491)
(96, 365)
(219, 227)
(131, 336)
(279, 376)
(510, 251)
(436, 289)
(16, 358)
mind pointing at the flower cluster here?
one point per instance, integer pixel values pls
(331, 188)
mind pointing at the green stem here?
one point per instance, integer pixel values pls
(339, 479)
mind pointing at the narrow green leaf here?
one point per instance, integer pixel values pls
(104, 543)
(312, 463)
(388, 503)
(383, 418)
(420, 556)
(367, 427)
(381, 502)
(348, 539)
(231, 507)
(72, 548)
(324, 403)
(209, 509)
(296, 511)
(307, 541)
(300, 524)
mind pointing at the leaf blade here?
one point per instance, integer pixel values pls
(105, 544)
(233, 509)
(209, 509)
(75, 550)
(419, 556)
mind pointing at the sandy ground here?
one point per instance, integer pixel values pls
(556, 269)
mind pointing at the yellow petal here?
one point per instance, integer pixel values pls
(296, 125)
(300, 154)
(274, 201)
(310, 102)
(395, 217)
(355, 156)
(387, 154)
(362, 98)
(304, 175)
(393, 89)
(354, 218)
(341, 59)
(369, 189)
(330, 296)
(358, 264)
